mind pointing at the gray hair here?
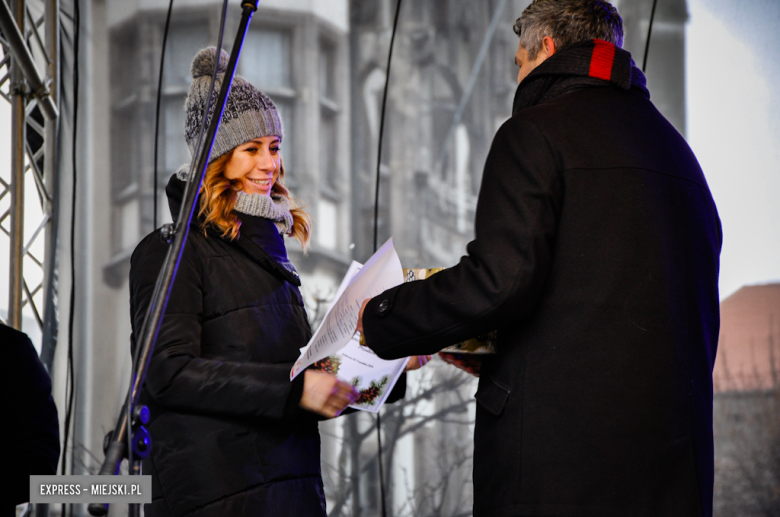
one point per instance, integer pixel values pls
(568, 22)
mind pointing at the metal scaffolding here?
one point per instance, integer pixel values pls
(30, 44)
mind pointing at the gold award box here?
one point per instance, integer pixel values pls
(478, 345)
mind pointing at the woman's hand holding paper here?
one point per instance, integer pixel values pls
(325, 394)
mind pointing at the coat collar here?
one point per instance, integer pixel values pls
(265, 261)
(583, 65)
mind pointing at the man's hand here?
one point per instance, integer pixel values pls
(325, 394)
(470, 363)
(360, 315)
(416, 362)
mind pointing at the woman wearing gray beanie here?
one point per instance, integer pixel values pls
(232, 435)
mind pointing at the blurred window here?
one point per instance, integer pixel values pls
(327, 65)
(328, 220)
(266, 62)
(330, 160)
(175, 148)
(123, 147)
(184, 41)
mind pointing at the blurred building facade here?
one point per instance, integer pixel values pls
(324, 65)
(296, 52)
(747, 404)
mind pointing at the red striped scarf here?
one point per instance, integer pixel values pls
(587, 64)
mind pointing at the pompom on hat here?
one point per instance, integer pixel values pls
(249, 113)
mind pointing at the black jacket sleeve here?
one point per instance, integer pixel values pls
(507, 262)
(178, 377)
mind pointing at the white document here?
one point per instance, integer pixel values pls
(372, 376)
(381, 272)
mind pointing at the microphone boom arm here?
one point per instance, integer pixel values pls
(117, 447)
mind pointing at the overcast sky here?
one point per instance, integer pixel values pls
(733, 65)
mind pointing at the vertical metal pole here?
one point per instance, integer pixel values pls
(18, 127)
(52, 181)
(134, 510)
(51, 178)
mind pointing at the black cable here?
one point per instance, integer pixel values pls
(157, 110)
(382, 123)
(376, 233)
(129, 403)
(70, 383)
(381, 467)
(649, 32)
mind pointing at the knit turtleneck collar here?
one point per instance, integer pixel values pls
(583, 65)
(273, 207)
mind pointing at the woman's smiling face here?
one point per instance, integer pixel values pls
(256, 164)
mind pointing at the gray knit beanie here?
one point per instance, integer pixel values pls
(248, 114)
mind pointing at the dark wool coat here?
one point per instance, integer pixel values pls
(228, 436)
(596, 257)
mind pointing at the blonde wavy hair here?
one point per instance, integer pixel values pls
(218, 197)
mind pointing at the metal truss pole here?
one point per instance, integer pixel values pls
(32, 101)
(52, 181)
(18, 104)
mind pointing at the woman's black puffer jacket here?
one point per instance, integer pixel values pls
(228, 437)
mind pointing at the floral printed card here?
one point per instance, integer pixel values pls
(372, 376)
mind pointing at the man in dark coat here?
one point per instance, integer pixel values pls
(596, 258)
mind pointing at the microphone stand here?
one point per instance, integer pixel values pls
(117, 441)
